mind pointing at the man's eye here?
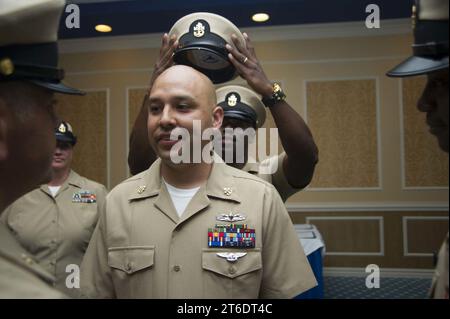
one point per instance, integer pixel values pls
(183, 106)
(154, 108)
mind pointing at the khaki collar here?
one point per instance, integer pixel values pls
(251, 166)
(220, 183)
(73, 179)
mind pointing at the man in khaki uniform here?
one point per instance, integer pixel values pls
(295, 166)
(192, 230)
(28, 78)
(55, 221)
(243, 109)
(430, 58)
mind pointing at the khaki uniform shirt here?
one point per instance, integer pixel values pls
(20, 276)
(277, 179)
(142, 249)
(439, 287)
(57, 230)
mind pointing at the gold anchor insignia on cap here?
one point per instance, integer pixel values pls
(199, 30)
(141, 189)
(6, 66)
(232, 100)
(62, 128)
(227, 191)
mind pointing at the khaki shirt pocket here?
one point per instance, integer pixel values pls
(132, 270)
(87, 214)
(225, 278)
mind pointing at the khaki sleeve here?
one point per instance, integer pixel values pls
(286, 270)
(440, 286)
(4, 217)
(96, 281)
(279, 179)
(101, 193)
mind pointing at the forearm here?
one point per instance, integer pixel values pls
(298, 143)
(140, 155)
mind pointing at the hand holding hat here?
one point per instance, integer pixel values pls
(244, 59)
(202, 38)
(165, 59)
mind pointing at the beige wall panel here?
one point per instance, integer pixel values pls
(425, 236)
(88, 117)
(135, 100)
(343, 118)
(350, 236)
(393, 238)
(425, 163)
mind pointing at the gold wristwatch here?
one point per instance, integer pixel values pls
(277, 96)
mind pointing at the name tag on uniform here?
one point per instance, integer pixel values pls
(231, 236)
(84, 196)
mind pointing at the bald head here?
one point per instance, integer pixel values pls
(181, 98)
(184, 76)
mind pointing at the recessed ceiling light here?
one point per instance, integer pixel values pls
(260, 17)
(103, 28)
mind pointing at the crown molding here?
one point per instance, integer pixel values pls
(368, 207)
(258, 34)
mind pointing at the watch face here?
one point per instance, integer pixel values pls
(276, 87)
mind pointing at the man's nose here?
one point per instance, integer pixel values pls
(167, 117)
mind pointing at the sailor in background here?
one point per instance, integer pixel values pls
(29, 77)
(55, 221)
(430, 58)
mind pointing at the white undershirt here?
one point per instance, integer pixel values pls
(54, 189)
(181, 197)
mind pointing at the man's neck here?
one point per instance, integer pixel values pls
(185, 175)
(59, 177)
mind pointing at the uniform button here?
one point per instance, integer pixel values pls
(232, 270)
(129, 266)
(53, 241)
(27, 259)
(176, 268)
(54, 221)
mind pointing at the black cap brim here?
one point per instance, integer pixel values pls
(58, 87)
(64, 138)
(242, 116)
(416, 65)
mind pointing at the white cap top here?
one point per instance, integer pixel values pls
(29, 21)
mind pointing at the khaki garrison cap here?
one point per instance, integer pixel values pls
(202, 38)
(430, 48)
(241, 103)
(28, 48)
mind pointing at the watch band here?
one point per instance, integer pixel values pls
(277, 96)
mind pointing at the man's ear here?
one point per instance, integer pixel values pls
(217, 117)
(4, 114)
